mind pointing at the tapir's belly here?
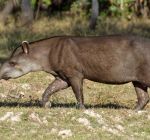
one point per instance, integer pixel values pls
(114, 71)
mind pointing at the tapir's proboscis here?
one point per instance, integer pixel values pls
(116, 59)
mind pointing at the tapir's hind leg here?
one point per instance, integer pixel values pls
(77, 86)
(142, 95)
(56, 85)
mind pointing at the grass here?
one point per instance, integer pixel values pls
(109, 113)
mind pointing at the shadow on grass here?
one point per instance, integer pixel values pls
(88, 106)
(37, 103)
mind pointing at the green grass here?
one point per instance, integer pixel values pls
(112, 105)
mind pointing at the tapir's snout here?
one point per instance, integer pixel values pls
(5, 71)
(5, 77)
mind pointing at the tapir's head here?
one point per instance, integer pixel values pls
(20, 63)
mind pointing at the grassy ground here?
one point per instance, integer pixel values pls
(109, 113)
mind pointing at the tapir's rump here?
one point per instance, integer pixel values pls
(113, 59)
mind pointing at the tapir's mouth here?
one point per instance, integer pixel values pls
(5, 77)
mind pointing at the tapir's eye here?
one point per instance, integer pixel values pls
(12, 63)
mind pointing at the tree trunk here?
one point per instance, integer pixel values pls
(148, 8)
(95, 13)
(10, 5)
(141, 8)
(37, 9)
(27, 12)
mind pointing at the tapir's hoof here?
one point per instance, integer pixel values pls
(136, 109)
(78, 106)
(47, 104)
(141, 106)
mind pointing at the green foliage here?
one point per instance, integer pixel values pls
(2, 3)
(115, 11)
(120, 7)
(46, 2)
(33, 2)
(113, 8)
(82, 8)
(79, 7)
(120, 1)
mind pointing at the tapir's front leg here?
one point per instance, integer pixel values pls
(56, 85)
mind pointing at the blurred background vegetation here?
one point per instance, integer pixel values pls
(35, 19)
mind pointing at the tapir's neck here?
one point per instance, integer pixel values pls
(45, 52)
(40, 53)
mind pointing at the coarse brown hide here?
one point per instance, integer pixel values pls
(115, 59)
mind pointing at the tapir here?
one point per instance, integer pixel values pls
(114, 59)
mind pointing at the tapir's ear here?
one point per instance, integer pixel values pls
(25, 47)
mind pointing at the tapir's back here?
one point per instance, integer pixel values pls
(111, 59)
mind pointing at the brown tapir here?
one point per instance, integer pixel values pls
(112, 59)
